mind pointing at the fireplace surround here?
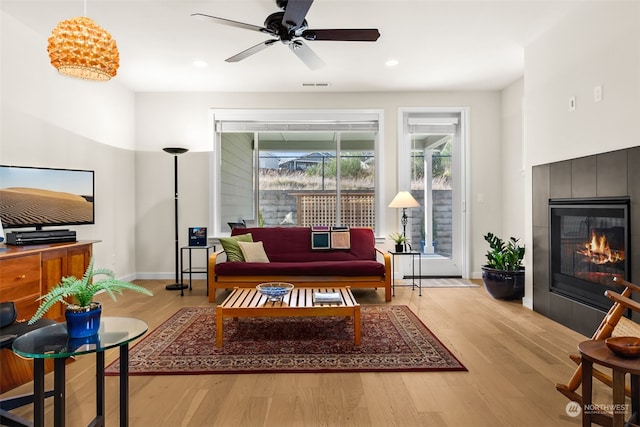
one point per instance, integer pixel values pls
(612, 175)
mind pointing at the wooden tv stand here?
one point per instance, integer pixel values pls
(26, 273)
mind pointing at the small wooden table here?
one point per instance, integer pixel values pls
(596, 351)
(248, 302)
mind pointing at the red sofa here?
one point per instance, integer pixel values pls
(292, 259)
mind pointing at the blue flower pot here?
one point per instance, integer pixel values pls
(84, 323)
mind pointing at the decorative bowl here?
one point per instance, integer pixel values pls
(274, 290)
(624, 346)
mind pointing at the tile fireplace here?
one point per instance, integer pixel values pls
(586, 211)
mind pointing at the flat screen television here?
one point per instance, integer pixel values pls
(40, 197)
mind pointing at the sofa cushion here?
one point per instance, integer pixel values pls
(293, 244)
(231, 248)
(311, 268)
(253, 251)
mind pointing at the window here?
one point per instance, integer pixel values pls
(302, 174)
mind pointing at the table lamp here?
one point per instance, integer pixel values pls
(404, 200)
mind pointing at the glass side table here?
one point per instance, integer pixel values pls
(52, 342)
(414, 255)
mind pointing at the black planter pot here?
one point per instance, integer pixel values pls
(500, 284)
(399, 247)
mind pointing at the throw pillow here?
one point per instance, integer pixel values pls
(330, 238)
(340, 240)
(320, 237)
(253, 252)
(231, 248)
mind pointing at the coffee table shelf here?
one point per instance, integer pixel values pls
(248, 302)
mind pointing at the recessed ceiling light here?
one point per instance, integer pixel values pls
(392, 63)
(200, 64)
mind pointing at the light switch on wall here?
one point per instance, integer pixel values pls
(597, 93)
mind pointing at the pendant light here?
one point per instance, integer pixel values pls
(78, 47)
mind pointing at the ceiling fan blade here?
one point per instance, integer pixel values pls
(223, 21)
(306, 55)
(350, 35)
(295, 12)
(252, 50)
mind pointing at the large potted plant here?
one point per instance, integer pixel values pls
(503, 275)
(83, 314)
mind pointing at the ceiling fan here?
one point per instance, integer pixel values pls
(290, 27)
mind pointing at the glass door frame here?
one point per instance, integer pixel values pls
(458, 264)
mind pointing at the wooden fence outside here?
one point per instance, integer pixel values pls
(357, 209)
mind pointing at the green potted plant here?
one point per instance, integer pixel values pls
(83, 314)
(399, 239)
(503, 275)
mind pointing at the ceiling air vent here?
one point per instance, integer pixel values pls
(315, 84)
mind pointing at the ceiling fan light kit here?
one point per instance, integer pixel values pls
(78, 47)
(290, 27)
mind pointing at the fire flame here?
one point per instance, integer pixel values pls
(599, 252)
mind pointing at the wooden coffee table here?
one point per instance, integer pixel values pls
(248, 302)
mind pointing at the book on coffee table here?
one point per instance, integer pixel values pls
(327, 297)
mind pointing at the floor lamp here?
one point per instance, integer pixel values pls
(404, 200)
(175, 152)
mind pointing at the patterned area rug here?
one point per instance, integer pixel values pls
(393, 339)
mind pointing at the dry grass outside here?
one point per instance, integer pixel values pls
(287, 181)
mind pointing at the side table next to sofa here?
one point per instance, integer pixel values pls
(414, 256)
(189, 268)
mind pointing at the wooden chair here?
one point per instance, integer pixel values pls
(614, 324)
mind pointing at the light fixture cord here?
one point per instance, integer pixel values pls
(85, 8)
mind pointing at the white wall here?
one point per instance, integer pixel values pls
(512, 161)
(598, 44)
(154, 215)
(55, 121)
(184, 119)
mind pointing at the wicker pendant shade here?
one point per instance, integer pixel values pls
(78, 47)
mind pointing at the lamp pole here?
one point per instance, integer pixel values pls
(404, 220)
(175, 151)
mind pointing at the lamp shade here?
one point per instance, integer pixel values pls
(78, 47)
(404, 199)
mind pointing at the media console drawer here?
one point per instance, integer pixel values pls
(23, 272)
(20, 281)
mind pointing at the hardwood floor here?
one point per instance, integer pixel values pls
(514, 357)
